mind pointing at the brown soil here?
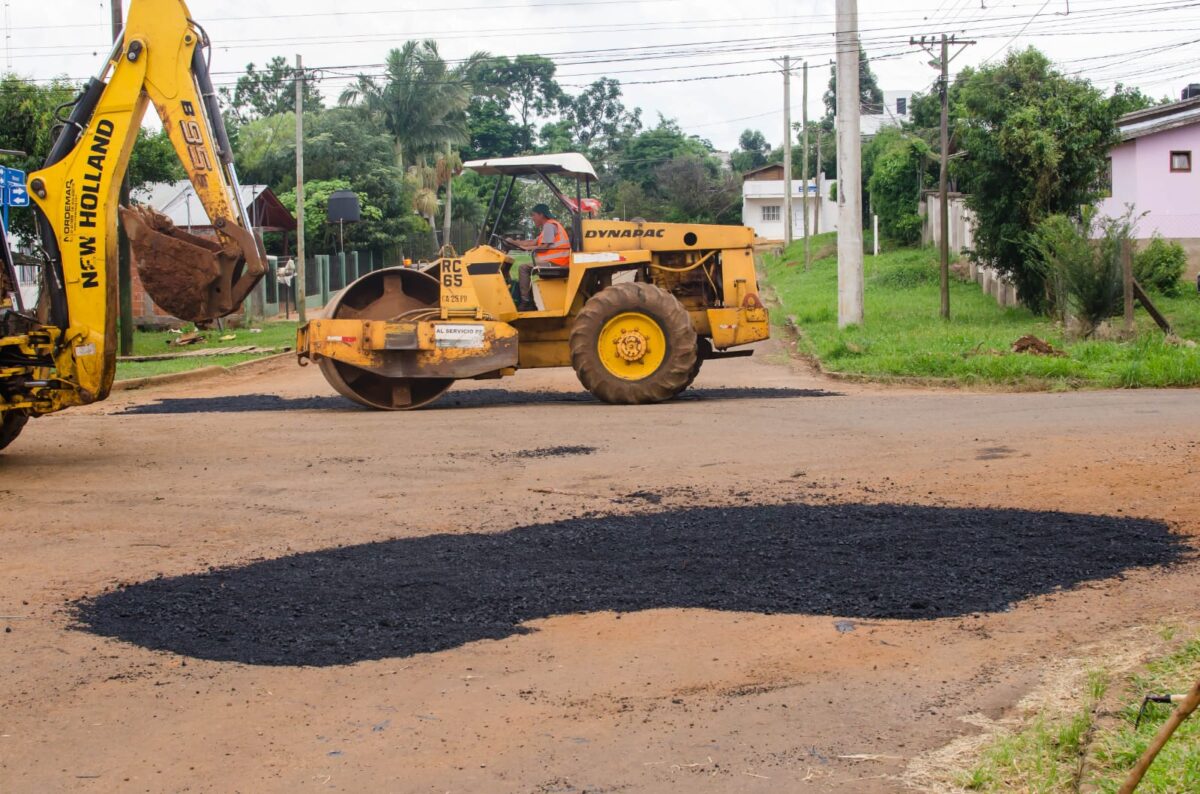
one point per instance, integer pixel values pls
(624, 695)
(176, 268)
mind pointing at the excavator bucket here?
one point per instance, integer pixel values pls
(193, 278)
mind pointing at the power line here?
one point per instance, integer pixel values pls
(1024, 28)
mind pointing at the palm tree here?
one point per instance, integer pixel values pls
(422, 102)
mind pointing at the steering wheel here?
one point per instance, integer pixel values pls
(497, 241)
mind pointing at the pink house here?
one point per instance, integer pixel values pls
(1155, 169)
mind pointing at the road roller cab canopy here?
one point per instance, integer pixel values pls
(544, 167)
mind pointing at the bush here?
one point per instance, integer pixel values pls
(1083, 268)
(1160, 266)
(907, 276)
(1038, 140)
(900, 170)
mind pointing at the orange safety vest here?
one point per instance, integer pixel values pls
(555, 244)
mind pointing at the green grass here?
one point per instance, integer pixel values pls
(147, 343)
(1045, 755)
(1177, 768)
(904, 337)
(1048, 753)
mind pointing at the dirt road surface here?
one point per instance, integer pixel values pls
(776, 583)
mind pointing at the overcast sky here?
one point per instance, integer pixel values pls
(657, 48)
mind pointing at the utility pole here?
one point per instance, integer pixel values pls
(301, 297)
(449, 197)
(804, 171)
(124, 267)
(849, 150)
(820, 179)
(787, 150)
(942, 62)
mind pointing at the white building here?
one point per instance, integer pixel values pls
(28, 271)
(762, 203)
(897, 109)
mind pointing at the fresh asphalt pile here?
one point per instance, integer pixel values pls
(423, 594)
(463, 398)
(560, 451)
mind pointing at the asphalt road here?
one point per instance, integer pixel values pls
(775, 581)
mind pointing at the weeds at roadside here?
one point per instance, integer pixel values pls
(1092, 744)
(903, 337)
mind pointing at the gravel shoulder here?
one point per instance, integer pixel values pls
(250, 584)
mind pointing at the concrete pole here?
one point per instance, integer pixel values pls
(804, 172)
(787, 150)
(850, 242)
(943, 179)
(124, 265)
(301, 297)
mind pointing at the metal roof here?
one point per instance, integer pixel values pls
(1159, 119)
(178, 201)
(569, 163)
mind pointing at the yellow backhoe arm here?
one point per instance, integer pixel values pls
(159, 59)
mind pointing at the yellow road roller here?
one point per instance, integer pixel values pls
(634, 307)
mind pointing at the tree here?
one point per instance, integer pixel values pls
(901, 171)
(340, 145)
(419, 100)
(1037, 141)
(524, 86)
(1126, 99)
(644, 152)
(599, 119)
(492, 132)
(423, 103)
(319, 234)
(154, 160)
(26, 121)
(751, 153)
(268, 92)
(695, 190)
(871, 97)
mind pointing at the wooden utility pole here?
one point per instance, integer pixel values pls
(124, 266)
(1186, 706)
(787, 150)
(1127, 282)
(301, 297)
(804, 171)
(820, 179)
(942, 62)
(849, 149)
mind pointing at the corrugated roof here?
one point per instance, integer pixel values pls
(569, 163)
(1159, 119)
(179, 202)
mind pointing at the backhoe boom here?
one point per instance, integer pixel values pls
(65, 354)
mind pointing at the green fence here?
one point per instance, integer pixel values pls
(325, 276)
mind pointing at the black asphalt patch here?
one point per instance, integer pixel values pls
(548, 452)
(424, 594)
(465, 398)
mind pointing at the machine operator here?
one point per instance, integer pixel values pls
(551, 248)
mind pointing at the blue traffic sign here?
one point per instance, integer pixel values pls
(13, 192)
(16, 196)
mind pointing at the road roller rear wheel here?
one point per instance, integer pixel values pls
(384, 295)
